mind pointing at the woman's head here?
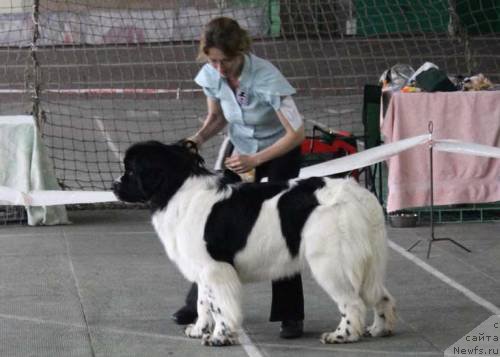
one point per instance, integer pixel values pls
(223, 43)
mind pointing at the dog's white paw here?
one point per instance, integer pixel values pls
(197, 331)
(219, 339)
(192, 332)
(383, 323)
(377, 331)
(339, 337)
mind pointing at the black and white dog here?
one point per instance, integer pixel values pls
(222, 234)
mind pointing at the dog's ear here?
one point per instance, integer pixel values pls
(187, 153)
(189, 144)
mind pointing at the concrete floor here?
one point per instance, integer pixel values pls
(104, 287)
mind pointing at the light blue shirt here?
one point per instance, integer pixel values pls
(251, 111)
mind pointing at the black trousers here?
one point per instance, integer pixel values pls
(287, 294)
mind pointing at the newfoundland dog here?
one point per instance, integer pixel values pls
(221, 234)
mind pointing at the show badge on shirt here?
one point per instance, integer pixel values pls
(242, 97)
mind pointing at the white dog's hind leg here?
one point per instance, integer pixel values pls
(384, 318)
(223, 297)
(351, 326)
(205, 323)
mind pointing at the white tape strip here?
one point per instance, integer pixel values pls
(363, 158)
(461, 147)
(9, 196)
(50, 198)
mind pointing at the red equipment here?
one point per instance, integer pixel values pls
(330, 145)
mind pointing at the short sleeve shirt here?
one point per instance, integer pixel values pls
(251, 111)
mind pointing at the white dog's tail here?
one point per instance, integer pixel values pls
(372, 289)
(365, 222)
(373, 284)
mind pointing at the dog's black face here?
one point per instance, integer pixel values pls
(144, 166)
(155, 171)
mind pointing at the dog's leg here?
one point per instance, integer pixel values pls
(205, 323)
(384, 318)
(223, 301)
(351, 325)
(335, 281)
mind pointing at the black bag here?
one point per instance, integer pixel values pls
(435, 80)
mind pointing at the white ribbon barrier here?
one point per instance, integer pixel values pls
(365, 158)
(41, 198)
(10, 196)
(461, 147)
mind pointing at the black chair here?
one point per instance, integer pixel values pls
(371, 125)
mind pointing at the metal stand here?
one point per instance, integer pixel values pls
(433, 238)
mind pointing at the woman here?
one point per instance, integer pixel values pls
(266, 129)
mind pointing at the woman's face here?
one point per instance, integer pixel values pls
(228, 67)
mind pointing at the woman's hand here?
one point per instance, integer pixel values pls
(196, 138)
(241, 163)
(214, 123)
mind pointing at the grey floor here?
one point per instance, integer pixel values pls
(104, 287)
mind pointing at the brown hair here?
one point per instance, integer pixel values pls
(226, 35)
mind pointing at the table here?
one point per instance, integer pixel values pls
(466, 116)
(25, 166)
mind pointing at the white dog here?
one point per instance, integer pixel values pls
(222, 234)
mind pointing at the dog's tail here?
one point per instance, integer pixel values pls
(356, 201)
(373, 289)
(373, 283)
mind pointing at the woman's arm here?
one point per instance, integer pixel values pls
(214, 123)
(291, 139)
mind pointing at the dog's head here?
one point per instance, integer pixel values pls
(155, 171)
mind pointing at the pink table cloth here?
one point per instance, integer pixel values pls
(458, 178)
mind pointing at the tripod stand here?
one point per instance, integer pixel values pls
(433, 239)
